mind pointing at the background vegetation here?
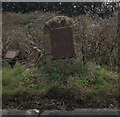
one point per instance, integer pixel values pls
(88, 80)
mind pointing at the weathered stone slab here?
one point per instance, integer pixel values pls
(19, 113)
(83, 112)
(62, 43)
(58, 113)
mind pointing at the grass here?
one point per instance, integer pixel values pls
(20, 81)
(80, 87)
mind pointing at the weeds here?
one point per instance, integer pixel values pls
(69, 80)
(80, 87)
(19, 80)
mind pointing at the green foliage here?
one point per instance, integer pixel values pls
(84, 81)
(81, 69)
(12, 76)
(54, 73)
(89, 83)
(20, 81)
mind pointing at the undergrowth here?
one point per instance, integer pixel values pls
(89, 84)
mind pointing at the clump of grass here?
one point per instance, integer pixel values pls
(96, 82)
(21, 81)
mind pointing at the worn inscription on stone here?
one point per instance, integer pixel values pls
(62, 43)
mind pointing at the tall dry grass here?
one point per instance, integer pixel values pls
(99, 38)
(95, 39)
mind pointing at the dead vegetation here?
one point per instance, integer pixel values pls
(60, 84)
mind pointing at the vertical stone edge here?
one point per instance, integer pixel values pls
(0, 58)
(118, 53)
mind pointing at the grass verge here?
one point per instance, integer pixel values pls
(90, 86)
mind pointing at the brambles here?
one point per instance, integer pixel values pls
(98, 38)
